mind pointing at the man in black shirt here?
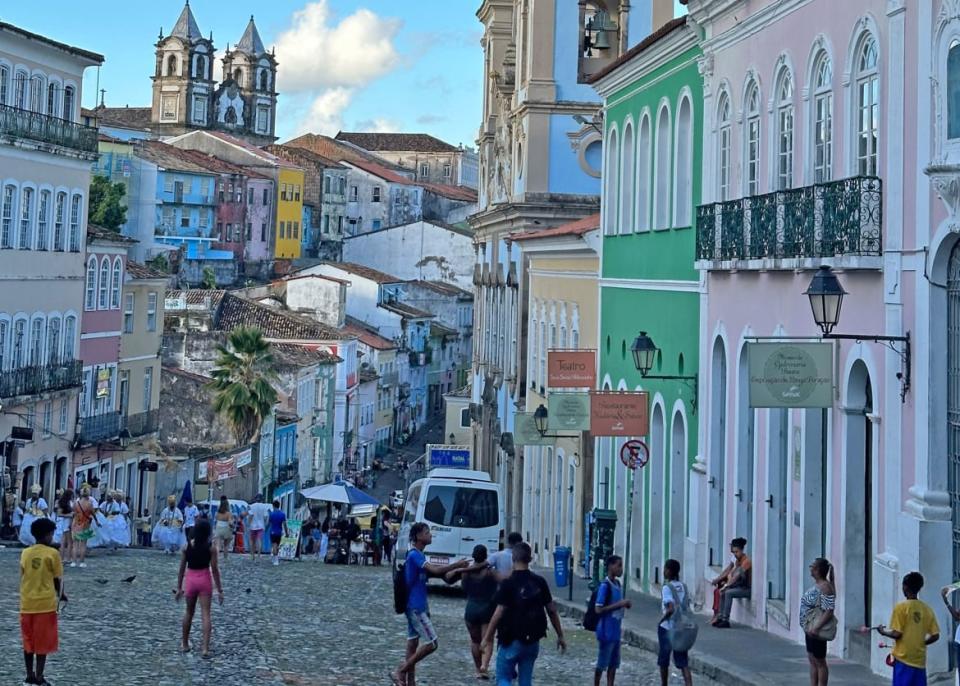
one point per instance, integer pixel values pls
(523, 603)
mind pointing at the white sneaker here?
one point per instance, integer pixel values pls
(276, 562)
(83, 565)
(73, 564)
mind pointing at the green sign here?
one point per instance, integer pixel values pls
(788, 374)
(525, 431)
(568, 412)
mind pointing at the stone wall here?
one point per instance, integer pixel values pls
(187, 419)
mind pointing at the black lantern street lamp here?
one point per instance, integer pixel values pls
(541, 422)
(644, 354)
(826, 297)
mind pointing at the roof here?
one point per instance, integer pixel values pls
(139, 118)
(443, 225)
(662, 32)
(169, 157)
(94, 57)
(200, 378)
(293, 355)
(304, 153)
(186, 26)
(236, 311)
(464, 392)
(367, 336)
(405, 310)
(259, 152)
(250, 42)
(382, 172)
(367, 374)
(198, 296)
(452, 192)
(576, 228)
(364, 272)
(437, 329)
(339, 151)
(217, 164)
(397, 142)
(142, 271)
(443, 288)
(99, 233)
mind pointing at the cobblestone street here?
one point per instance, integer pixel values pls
(302, 623)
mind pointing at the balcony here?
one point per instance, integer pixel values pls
(141, 424)
(421, 359)
(98, 428)
(389, 379)
(28, 381)
(18, 123)
(288, 471)
(827, 220)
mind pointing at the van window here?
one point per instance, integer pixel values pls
(410, 509)
(473, 508)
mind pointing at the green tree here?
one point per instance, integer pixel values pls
(243, 382)
(106, 207)
(160, 263)
(209, 278)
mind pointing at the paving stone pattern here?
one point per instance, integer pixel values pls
(302, 623)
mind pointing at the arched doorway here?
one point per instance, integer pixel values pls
(746, 447)
(777, 474)
(29, 476)
(859, 511)
(658, 457)
(46, 472)
(678, 486)
(718, 448)
(953, 399)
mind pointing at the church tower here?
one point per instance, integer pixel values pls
(246, 101)
(183, 78)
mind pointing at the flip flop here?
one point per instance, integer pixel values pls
(396, 680)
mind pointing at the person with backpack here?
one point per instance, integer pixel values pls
(609, 607)
(675, 602)
(520, 620)
(410, 593)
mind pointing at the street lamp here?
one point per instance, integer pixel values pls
(826, 296)
(540, 422)
(645, 352)
(453, 438)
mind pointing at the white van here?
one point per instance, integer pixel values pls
(462, 508)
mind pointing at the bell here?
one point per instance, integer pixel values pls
(602, 41)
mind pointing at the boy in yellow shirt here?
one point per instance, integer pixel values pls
(913, 626)
(41, 574)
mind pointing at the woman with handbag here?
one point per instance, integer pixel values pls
(818, 619)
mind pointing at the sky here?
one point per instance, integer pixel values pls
(352, 65)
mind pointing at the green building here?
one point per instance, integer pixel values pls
(653, 133)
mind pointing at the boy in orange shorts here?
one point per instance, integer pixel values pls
(41, 588)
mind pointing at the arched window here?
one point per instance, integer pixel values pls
(751, 139)
(238, 76)
(6, 215)
(68, 98)
(683, 166)
(76, 203)
(534, 349)
(53, 340)
(200, 67)
(723, 147)
(69, 337)
(610, 202)
(18, 344)
(868, 107)
(59, 216)
(172, 65)
(626, 183)
(43, 220)
(20, 80)
(36, 342)
(90, 299)
(4, 341)
(103, 286)
(822, 119)
(25, 237)
(52, 99)
(36, 93)
(661, 179)
(4, 83)
(953, 90)
(115, 282)
(642, 217)
(264, 80)
(784, 130)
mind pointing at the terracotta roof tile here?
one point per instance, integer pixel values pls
(382, 172)
(367, 336)
(289, 151)
(364, 272)
(198, 296)
(437, 329)
(142, 271)
(576, 228)
(443, 288)
(268, 157)
(169, 157)
(98, 233)
(405, 310)
(279, 324)
(139, 118)
(397, 142)
(290, 354)
(367, 375)
(461, 193)
(339, 151)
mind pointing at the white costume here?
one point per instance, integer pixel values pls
(117, 528)
(63, 523)
(168, 533)
(36, 508)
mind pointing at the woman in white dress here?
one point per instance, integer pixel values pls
(101, 532)
(64, 512)
(118, 521)
(35, 508)
(168, 533)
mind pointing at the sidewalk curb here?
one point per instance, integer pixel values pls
(716, 668)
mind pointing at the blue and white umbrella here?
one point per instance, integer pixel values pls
(339, 492)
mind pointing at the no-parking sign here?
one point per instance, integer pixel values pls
(634, 454)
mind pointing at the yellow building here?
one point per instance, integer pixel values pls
(289, 228)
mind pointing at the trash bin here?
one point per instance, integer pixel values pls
(561, 565)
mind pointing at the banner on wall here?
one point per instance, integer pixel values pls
(221, 469)
(619, 413)
(525, 431)
(288, 544)
(571, 368)
(790, 374)
(568, 412)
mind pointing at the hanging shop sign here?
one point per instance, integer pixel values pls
(244, 457)
(568, 412)
(221, 469)
(790, 374)
(571, 368)
(619, 413)
(525, 431)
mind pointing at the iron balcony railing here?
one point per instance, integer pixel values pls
(389, 378)
(100, 427)
(824, 220)
(34, 126)
(38, 379)
(141, 424)
(288, 471)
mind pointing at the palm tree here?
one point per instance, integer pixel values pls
(242, 381)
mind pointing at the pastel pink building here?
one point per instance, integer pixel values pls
(828, 134)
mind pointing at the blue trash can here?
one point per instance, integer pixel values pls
(561, 565)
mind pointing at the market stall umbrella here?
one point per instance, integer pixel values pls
(339, 492)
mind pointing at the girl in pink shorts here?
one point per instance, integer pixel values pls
(198, 573)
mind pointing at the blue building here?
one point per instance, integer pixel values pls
(286, 464)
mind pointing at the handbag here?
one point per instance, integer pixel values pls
(828, 631)
(683, 632)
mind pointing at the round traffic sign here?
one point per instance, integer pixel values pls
(634, 454)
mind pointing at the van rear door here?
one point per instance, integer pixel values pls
(461, 515)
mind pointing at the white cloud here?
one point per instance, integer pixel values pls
(318, 52)
(325, 113)
(378, 125)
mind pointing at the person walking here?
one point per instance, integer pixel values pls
(913, 627)
(84, 519)
(324, 537)
(258, 515)
(190, 515)
(502, 560)
(278, 529)
(520, 620)
(223, 528)
(198, 573)
(673, 594)
(610, 608)
(62, 535)
(41, 590)
(480, 585)
(734, 582)
(421, 636)
(821, 596)
(955, 614)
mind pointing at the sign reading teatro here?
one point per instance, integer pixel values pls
(571, 368)
(790, 374)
